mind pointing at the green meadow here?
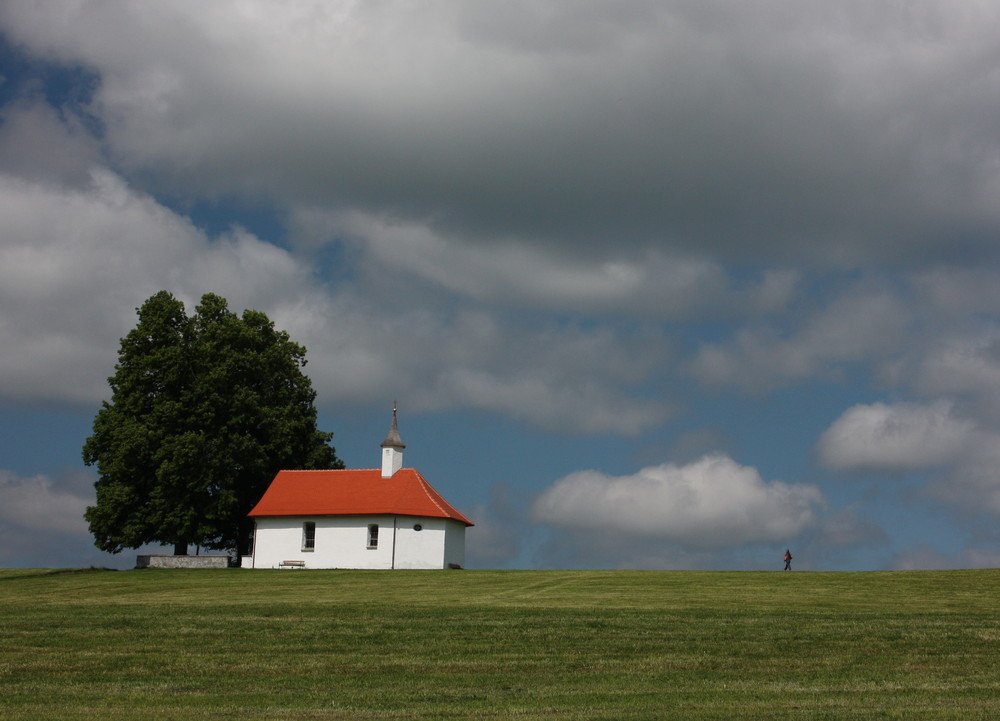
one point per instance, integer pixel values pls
(238, 644)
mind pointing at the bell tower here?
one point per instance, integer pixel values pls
(392, 448)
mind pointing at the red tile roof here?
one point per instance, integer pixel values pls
(354, 493)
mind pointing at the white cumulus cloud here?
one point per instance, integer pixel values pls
(710, 503)
(896, 438)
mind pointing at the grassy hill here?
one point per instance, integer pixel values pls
(239, 644)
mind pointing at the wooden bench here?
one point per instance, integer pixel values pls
(292, 564)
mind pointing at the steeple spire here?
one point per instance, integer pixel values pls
(392, 448)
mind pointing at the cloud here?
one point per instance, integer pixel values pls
(972, 485)
(864, 324)
(519, 275)
(961, 450)
(895, 438)
(751, 133)
(950, 291)
(567, 548)
(557, 376)
(42, 523)
(711, 503)
(636, 164)
(964, 363)
(37, 145)
(928, 558)
(501, 529)
(846, 528)
(38, 504)
(75, 261)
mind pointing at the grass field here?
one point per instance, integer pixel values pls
(240, 644)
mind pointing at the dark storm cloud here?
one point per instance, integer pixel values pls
(825, 132)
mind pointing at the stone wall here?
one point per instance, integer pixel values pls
(182, 562)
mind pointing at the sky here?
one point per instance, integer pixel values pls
(656, 284)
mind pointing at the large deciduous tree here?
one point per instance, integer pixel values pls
(204, 411)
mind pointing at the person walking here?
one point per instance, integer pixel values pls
(788, 560)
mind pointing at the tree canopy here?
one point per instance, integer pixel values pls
(204, 411)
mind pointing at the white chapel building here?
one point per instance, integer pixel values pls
(369, 518)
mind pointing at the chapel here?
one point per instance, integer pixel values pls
(375, 518)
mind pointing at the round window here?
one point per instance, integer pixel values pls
(417, 527)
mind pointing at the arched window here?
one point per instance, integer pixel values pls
(372, 535)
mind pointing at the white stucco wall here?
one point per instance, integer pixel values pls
(419, 549)
(342, 542)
